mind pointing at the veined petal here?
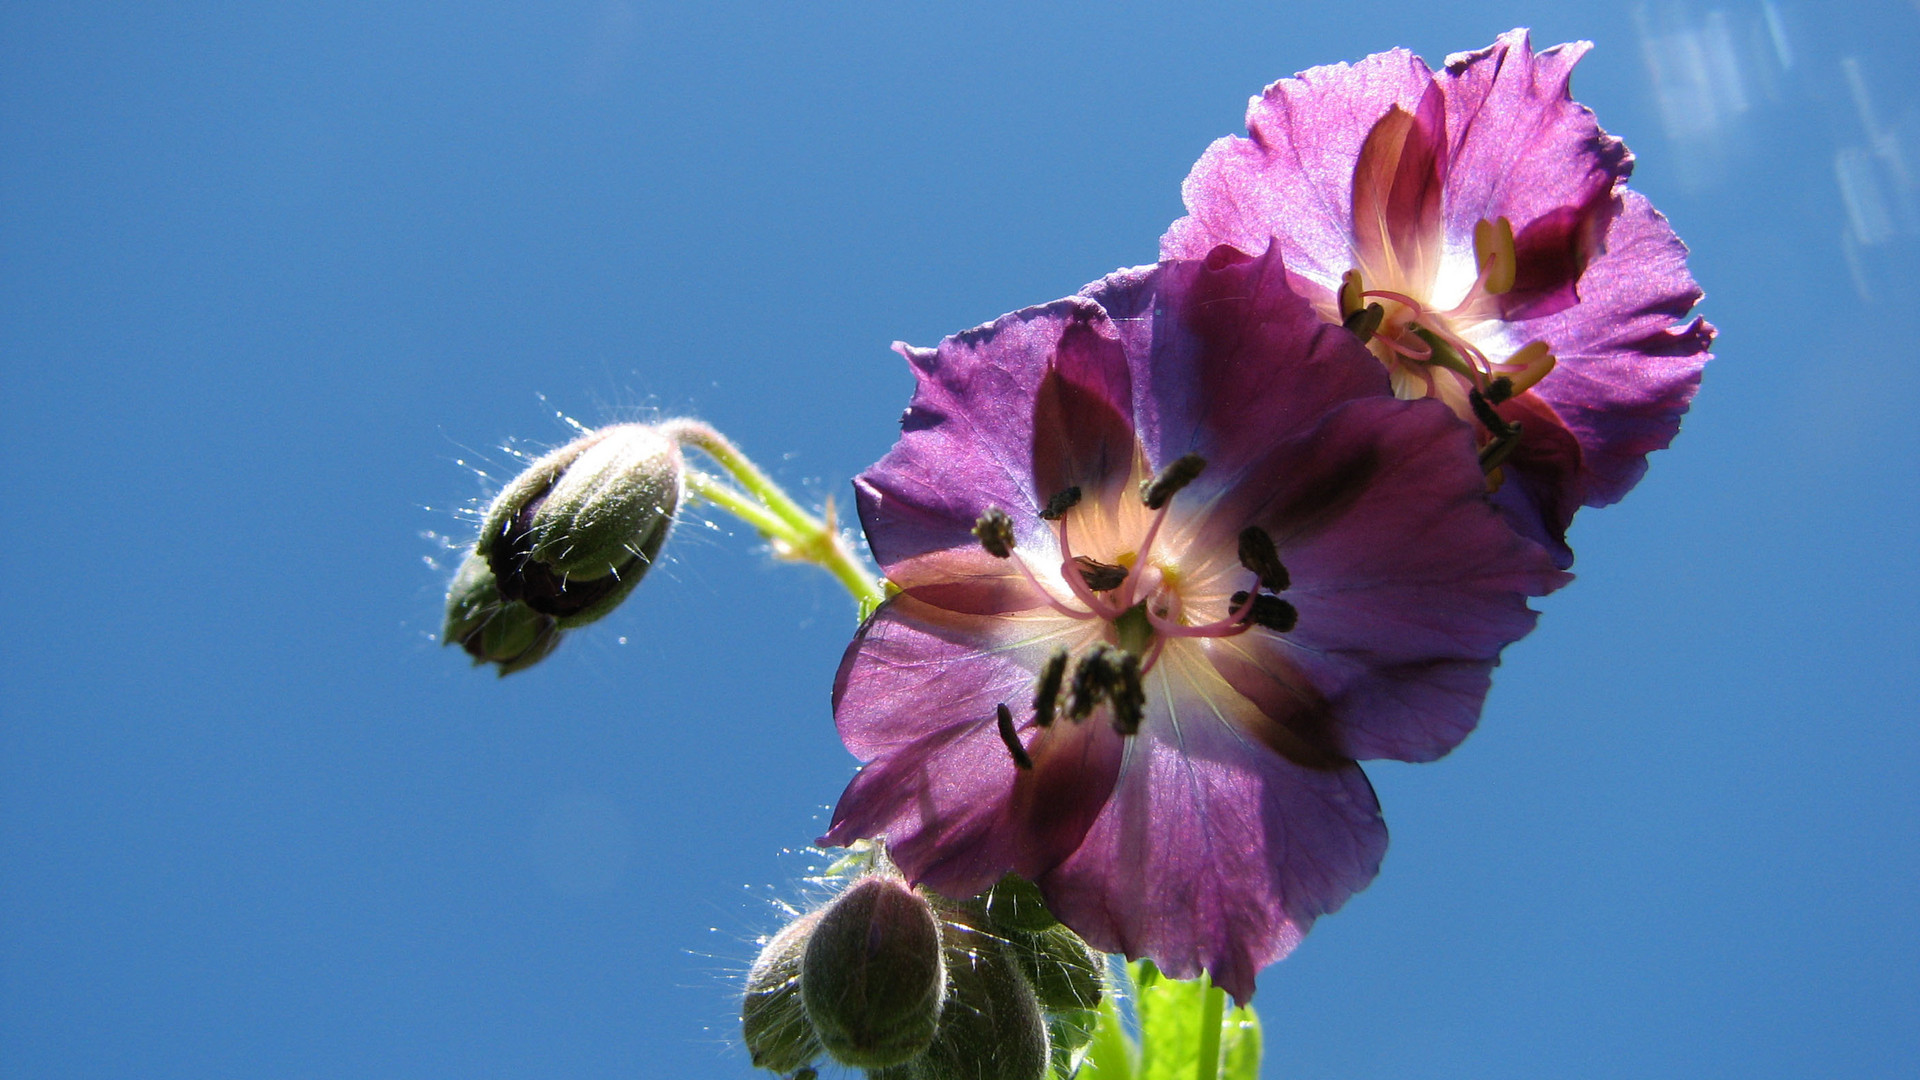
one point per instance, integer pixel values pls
(1231, 358)
(1630, 361)
(1407, 581)
(967, 438)
(1292, 181)
(1215, 853)
(918, 694)
(1082, 413)
(1398, 230)
(1522, 148)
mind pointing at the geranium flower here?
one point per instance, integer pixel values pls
(1475, 226)
(1170, 557)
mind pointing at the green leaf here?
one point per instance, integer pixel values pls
(1183, 1023)
(1240, 1046)
(1112, 1053)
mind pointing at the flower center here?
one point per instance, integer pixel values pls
(1138, 597)
(1424, 347)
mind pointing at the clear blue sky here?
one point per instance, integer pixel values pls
(276, 284)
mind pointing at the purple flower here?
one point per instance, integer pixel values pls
(1170, 557)
(1486, 214)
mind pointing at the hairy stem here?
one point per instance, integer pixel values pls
(765, 505)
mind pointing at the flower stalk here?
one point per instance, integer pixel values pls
(763, 504)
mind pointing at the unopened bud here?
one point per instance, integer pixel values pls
(993, 1028)
(773, 1020)
(1066, 974)
(1016, 904)
(872, 976)
(491, 628)
(575, 532)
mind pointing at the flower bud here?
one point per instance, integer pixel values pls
(773, 1021)
(1066, 974)
(493, 629)
(872, 976)
(992, 1028)
(575, 532)
(1016, 904)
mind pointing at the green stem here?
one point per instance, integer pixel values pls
(1211, 1015)
(733, 501)
(767, 507)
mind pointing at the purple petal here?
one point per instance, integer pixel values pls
(1628, 363)
(1408, 583)
(1543, 477)
(918, 695)
(1397, 183)
(1522, 147)
(1215, 853)
(1082, 426)
(1229, 359)
(1292, 181)
(967, 438)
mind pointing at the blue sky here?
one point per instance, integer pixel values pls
(276, 285)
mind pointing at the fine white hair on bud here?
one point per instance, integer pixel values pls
(564, 543)
(873, 976)
(773, 1020)
(491, 628)
(993, 1028)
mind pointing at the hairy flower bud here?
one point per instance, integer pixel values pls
(1015, 903)
(872, 975)
(1066, 975)
(992, 1028)
(493, 629)
(575, 532)
(773, 1020)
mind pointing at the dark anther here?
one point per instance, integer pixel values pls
(995, 531)
(1175, 476)
(1269, 611)
(1500, 389)
(1046, 693)
(1365, 321)
(1012, 738)
(1488, 418)
(1258, 554)
(1099, 576)
(1092, 680)
(1496, 453)
(1128, 694)
(1061, 502)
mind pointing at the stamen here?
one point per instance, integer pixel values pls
(1495, 453)
(1070, 573)
(1268, 611)
(1442, 352)
(1534, 361)
(1487, 417)
(1046, 693)
(1092, 680)
(1499, 390)
(1258, 554)
(1352, 294)
(1233, 625)
(1060, 503)
(1070, 612)
(1099, 576)
(1365, 322)
(1493, 253)
(1128, 694)
(1012, 738)
(1178, 474)
(994, 530)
